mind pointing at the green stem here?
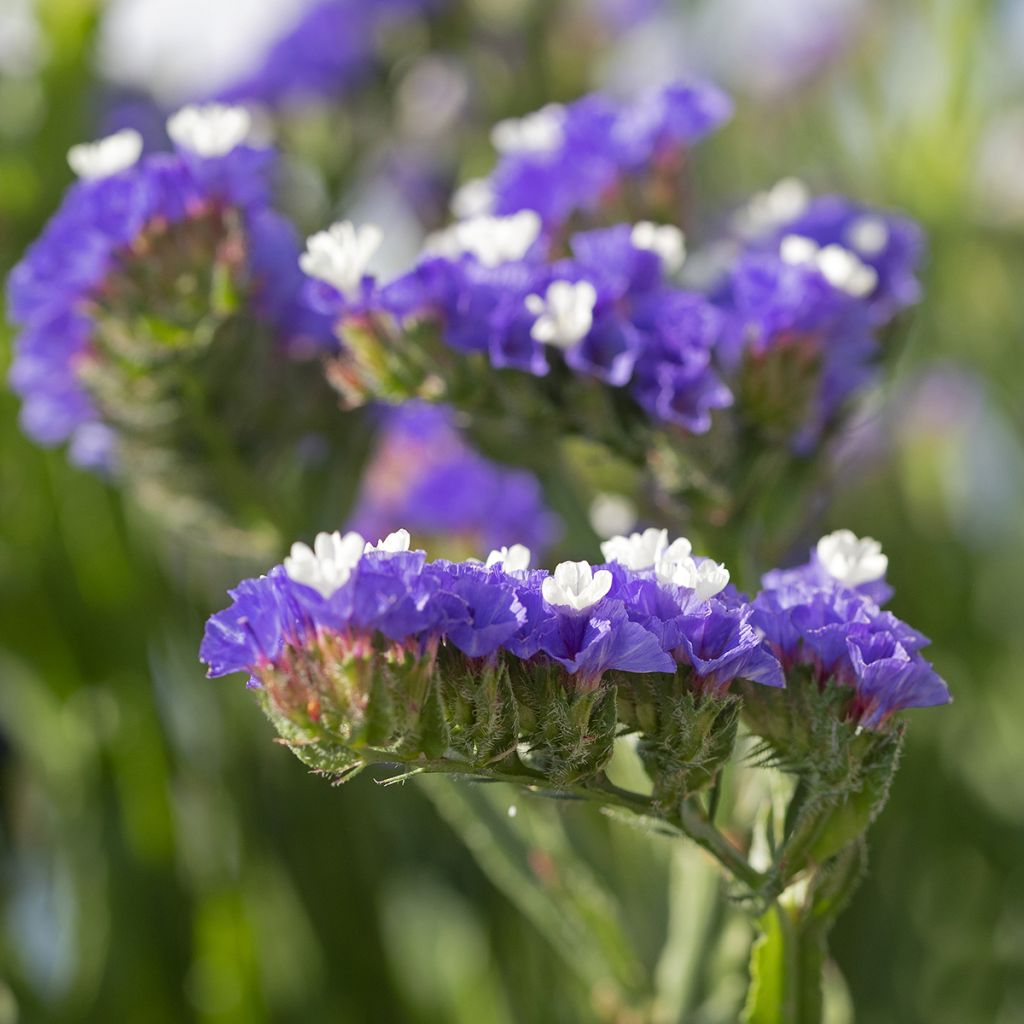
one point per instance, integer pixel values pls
(688, 819)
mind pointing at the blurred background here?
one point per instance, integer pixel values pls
(161, 859)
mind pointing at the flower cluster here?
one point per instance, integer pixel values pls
(374, 646)
(648, 615)
(576, 157)
(826, 616)
(607, 311)
(784, 326)
(424, 474)
(145, 258)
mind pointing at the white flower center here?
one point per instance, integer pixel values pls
(611, 514)
(565, 313)
(769, 210)
(842, 268)
(851, 559)
(539, 132)
(328, 564)
(645, 550)
(575, 585)
(341, 255)
(100, 159)
(473, 198)
(512, 559)
(705, 578)
(491, 240)
(392, 543)
(665, 240)
(868, 234)
(211, 129)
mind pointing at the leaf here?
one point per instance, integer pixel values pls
(765, 998)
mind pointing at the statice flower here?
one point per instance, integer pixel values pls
(827, 617)
(872, 254)
(374, 645)
(424, 474)
(145, 259)
(577, 157)
(607, 312)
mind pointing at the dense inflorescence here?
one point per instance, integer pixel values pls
(384, 655)
(145, 259)
(775, 328)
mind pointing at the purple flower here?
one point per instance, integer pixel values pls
(889, 678)
(85, 269)
(721, 645)
(890, 245)
(424, 474)
(809, 617)
(566, 159)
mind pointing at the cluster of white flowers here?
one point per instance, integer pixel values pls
(539, 132)
(100, 159)
(769, 210)
(842, 268)
(575, 585)
(851, 559)
(516, 558)
(565, 313)
(328, 564)
(209, 129)
(672, 562)
(666, 240)
(491, 240)
(341, 255)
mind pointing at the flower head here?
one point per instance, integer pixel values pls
(326, 566)
(490, 240)
(101, 159)
(539, 132)
(341, 255)
(565, 313)
(851, 559)
(575, 586)
(511, 559)
(666, 240)
(210, 129)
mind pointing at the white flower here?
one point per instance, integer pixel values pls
(491, 240)
(341, 254)
(797, 250)
(665, 240)
(705, 578)
(392, 543)
(575, 585)
(851, 559)
(645, 550)
(842, 268)
(539, 132)
(565, 313)
(473, 198)
(767, 211)
(868, 234)
(328, 564)
(611, 514)
(845, 270)
(100, 159)
(210, 129)
(512, 559)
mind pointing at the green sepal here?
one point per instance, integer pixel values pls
(570, 734)
(685, 736)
